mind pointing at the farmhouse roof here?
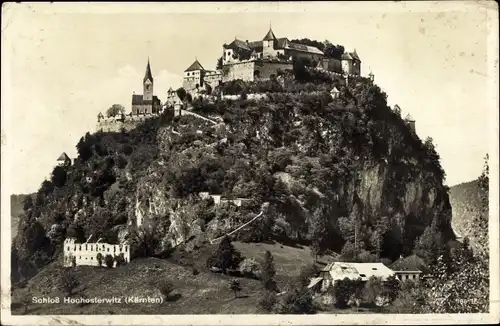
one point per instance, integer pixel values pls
(363, 271)
(195, 66)
(148, 74)
(410, 263)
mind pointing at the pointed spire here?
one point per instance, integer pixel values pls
(148, 74)
(270, 35)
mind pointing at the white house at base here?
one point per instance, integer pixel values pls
(337, 271)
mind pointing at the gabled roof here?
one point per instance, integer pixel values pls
(238, 44)
(410, 263)
(63, 157)
(269, 36)
(138, 99)
(341, 270)
(148, 74)
(195, 66)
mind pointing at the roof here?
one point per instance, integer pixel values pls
(137, 99)
(364, 271)
(195, 66)
(302, 48)
(334, 90)
(409, 117)
(269, 36)
(350, 56)
(314, 281)
(238, 44)
(63, 157)
(410, 263)
(148, 74)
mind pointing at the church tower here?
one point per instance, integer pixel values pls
(148, 84)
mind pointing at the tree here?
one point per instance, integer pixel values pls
(344, 290)
(115, 110)
(58, 177)
(109, 261)
(373, 289)
(181, 93)
(225, 257)
(99, 259)
(430, 244)
(249, 267)
(235, 286)
(119, 259)
(298, 301)
(319, 234)
(69, 281)
(268, 272)
(305, 275)
(218, 66)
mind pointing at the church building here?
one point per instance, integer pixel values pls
(147, 103)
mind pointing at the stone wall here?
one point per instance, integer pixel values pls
(117, 124)
(86, 253)
(266, 69)
(241, 70)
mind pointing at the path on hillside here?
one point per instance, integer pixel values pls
(237, 229)
(185, 112)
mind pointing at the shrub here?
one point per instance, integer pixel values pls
(119, 259)
(235, 286)
(99, 259)
(69, 281)
(249, 267)
(166, 287)
(109, 261)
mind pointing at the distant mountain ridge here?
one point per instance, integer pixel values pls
(468, 215)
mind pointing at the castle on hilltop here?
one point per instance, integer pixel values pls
(262, 59)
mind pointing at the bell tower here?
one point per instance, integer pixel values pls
(147, 83)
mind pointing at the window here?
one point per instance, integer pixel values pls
(91, 258)
(68, 248)
(188, 73)
(362, 275)
(374, 268)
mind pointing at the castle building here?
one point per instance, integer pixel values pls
(86, 253)
(351, 64)
(269, 47)
(147, 103)
(196, 77)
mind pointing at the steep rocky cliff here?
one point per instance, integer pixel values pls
(351, 161)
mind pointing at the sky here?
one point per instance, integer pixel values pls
(64, 63)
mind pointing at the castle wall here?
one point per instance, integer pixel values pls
(266, 69)
(116, 125)
(213, 79)
(241, 70)
(86, 253)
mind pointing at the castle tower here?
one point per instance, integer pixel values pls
(268, 43)
(147, 83)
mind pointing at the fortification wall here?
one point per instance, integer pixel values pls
(240, 70)
(86, 253)
(116, 125)
(189, 83)
(264, 70)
